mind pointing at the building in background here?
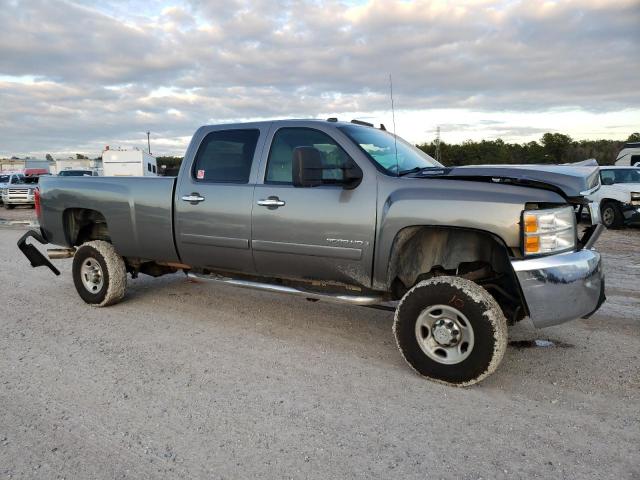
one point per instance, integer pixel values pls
(27, 166)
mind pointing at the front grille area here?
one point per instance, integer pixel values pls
(18, 193)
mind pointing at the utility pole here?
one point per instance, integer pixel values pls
(149, 141)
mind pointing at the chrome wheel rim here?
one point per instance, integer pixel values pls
(444, 334)
(91, 275)
(607, 216)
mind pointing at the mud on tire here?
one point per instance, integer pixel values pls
(99, 273)
(434, 321)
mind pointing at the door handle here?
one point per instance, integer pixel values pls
(271, 202)
(194, 198)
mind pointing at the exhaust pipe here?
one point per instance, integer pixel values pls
(58, 253)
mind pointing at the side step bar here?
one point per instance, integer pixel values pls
(364, 300)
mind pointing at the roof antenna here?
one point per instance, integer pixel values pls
(393, 114)
(438, 145)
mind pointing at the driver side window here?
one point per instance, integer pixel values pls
(286, 140)
(607, 177)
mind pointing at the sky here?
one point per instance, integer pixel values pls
(76, 76)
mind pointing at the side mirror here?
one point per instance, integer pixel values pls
(607, 181)
(306, 167)
(352, 175)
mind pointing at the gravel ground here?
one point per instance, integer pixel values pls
(20, 213)
(190, 380)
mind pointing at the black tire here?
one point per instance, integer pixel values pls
(611, 215)
(8, 206)
(476, 306)
(99, 256)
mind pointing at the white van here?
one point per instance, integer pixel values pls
(128, 163)
(629, 156)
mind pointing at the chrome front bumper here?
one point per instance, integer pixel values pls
(562, 287)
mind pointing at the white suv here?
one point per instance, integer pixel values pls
(9, 180)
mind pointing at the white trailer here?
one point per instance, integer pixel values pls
(128, 163)
(629, 156)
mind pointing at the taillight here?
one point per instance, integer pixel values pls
(36, 199)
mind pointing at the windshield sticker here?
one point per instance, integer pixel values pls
(200, 175)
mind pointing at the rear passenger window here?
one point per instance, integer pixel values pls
(226, 156)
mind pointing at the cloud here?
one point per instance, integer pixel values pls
(83, 74)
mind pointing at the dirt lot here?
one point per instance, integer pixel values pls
(186, 380)
(20, 213)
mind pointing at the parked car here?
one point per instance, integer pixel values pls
(619, 196)
(10, 178)
(14, 190)
(78, 173)
(347, 213)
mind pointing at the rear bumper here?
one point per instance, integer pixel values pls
(35, 257)
(562, 287)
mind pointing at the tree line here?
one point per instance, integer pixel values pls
(552, 148)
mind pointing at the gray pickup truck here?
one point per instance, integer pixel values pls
(345, 212)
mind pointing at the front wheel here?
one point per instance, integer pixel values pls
(9, 206)
(451, 330)
(611, 215)
(99, 273)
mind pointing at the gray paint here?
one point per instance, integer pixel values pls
(138, 211)
(322, 233)
(571, 180)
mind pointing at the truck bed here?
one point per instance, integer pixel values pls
(138, 211)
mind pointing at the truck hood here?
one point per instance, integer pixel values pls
(569, 181)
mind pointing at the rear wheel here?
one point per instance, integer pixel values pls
(451, 330)
(611, 215)
(99, 273)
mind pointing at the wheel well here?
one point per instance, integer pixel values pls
(610, 200)
(419, 253)
(83, 225)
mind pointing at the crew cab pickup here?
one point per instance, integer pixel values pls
(619, 196)
(344, 212)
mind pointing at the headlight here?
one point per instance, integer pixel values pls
(635, 198)
(548, 231)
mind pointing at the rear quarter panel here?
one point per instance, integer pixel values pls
(138, 211)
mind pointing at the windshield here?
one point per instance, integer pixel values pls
(4, 178)
(622, 175)
(381, 148)
(16, 179)
(75, 173)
